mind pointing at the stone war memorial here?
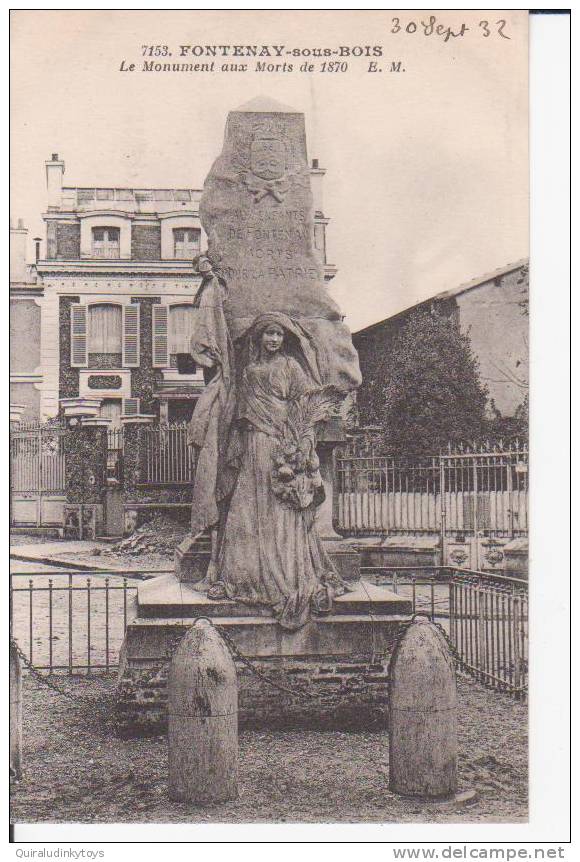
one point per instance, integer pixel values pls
(262, 561)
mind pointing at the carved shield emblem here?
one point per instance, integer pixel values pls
(268, 158)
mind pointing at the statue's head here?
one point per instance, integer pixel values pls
(268, 158)
(275, 331)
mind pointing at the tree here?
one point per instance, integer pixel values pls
(428, 391)
(509, 426)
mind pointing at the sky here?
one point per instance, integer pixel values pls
(427, 168)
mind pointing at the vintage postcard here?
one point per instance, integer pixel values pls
(269, 417)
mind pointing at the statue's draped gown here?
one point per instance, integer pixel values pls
(270, 553)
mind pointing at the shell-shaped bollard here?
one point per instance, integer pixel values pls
(203, 719)
(15, 713)
(423, 714)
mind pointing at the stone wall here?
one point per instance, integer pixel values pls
(24, 335)
(51, 243)
(28, 396)
(494, 316)
(105, 360)
(321, 693)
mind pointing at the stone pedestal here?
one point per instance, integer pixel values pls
(332, 672)
(192, 558)
(515, 558)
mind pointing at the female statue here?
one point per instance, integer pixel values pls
(270, 553)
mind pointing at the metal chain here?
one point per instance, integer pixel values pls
(44, 680)
(296, 690)
(461, 664)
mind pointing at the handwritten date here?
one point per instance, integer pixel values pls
(433, 27)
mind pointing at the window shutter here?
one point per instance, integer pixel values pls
(130, 336)
(131, 406)
(160, 336)
(78, 330)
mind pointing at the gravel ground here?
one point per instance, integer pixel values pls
(76, 770)
(158, 553)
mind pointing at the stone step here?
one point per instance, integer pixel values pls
(166, 597)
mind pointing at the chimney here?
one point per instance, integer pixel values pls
(54, 175)
(316, 177)
(18, 238)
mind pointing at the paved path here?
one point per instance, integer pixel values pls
(53, 554)
(25, 567)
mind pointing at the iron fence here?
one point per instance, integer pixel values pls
(474, 491)
(165, 457)
(484, 614)
(70, 622)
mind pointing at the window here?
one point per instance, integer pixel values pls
(106, 242)
(171, 332)
(180, 323)
(186, 242)
(105, 328)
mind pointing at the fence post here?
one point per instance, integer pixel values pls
(443, 509)
(15, 712)
(516, 637)
(39, 483)
(476, 512)
(510, 490)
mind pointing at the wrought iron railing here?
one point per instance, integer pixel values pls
(68, 621)
(73, 622)
(165, 457)
(484, 614)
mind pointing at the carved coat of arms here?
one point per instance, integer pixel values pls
(267, 172)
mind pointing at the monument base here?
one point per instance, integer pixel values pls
(331, 673)
(345, 557)
(192, 557)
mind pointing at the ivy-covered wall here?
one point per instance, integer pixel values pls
(68, 241)
(146, 242)
(145, 379)
(68, 385)
(105, 360)
(86, 463)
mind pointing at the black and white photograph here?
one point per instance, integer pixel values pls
(269, 400)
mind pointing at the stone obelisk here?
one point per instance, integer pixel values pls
(257, 211)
